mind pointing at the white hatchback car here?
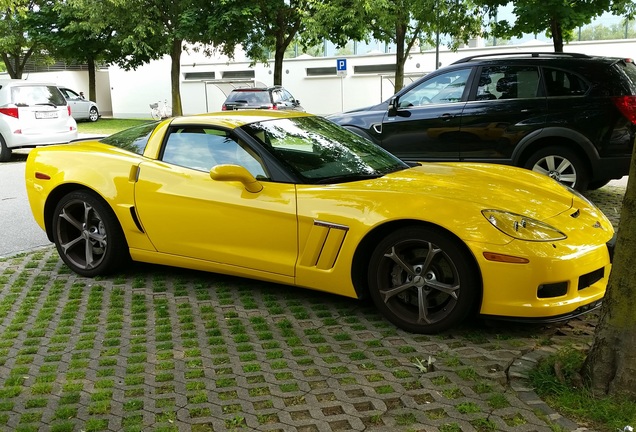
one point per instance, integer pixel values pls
(33, 114)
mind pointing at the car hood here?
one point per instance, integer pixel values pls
(488, 186)
(382, 107)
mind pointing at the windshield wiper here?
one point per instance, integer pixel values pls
(48, 103)
(347, 178)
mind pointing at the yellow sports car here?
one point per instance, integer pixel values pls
(295, 199)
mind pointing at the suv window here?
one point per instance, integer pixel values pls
(29, 95)
(444, 88)
(563, 83)
(508, 82)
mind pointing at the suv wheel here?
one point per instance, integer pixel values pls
(5, 152)
(561, 164)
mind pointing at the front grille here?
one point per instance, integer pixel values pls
(552, 290)
(591, 278)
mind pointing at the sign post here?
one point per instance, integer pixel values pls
(341, 70)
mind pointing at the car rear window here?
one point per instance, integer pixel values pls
(134, 139)
(30, 95)
(258, 96)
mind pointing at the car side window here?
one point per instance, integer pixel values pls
(508, 82)
(445, 88)
(202, 148)
(70, 94)
(562, 83)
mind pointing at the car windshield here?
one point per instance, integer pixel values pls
(319, 151)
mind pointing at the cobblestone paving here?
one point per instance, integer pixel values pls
(163, 349)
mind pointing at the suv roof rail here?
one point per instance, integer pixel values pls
(522, 54)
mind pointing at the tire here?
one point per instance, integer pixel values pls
(88, 236)
(5, 152)
(93, 114)
(422, 280)
(562, 165)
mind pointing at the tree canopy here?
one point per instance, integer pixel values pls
(557, 18)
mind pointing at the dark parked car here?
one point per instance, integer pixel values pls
(276, 98)
(570, 116)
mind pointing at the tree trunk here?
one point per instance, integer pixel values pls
(92, 86)
(279, 56)
(557, 34)
(611, 363)
(175, 77)
(400, 59)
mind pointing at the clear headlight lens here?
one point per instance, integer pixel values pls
(522, 227)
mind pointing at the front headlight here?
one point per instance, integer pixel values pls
(522, 227)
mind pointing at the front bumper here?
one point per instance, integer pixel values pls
(576, 275)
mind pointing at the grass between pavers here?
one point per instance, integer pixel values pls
(81, 352)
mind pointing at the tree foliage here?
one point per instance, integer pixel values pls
(22, 30)
(557, 18)
(404, 23)
(260, 27)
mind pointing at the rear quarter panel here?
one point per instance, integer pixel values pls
(105, 170)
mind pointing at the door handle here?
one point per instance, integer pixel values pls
(447, 116)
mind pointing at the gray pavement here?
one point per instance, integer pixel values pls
(163, 349)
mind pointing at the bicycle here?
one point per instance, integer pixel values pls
(160, 110)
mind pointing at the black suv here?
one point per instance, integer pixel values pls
(570, 116)
(276, 98)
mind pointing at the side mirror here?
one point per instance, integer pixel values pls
(236, 173)
(394, 103)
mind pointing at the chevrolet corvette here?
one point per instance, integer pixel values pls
(295, 199)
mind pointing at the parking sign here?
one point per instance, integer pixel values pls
(341, 67)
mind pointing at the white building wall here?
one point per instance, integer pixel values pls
(132, 91)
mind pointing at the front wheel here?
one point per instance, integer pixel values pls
(87, 235)
(560, 164)
(422, 280)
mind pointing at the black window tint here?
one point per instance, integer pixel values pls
(31, 95)
(563, 83)
(509, 82)
(134, 139)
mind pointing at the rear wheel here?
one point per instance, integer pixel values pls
(561, 164)
(5, 152)
(422, 280)
(93, 115)
(87, 235)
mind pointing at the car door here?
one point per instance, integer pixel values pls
(79, 106)
(506, 104)
(186, 213)
(428, 118)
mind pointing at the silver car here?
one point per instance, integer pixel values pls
(81, 109)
